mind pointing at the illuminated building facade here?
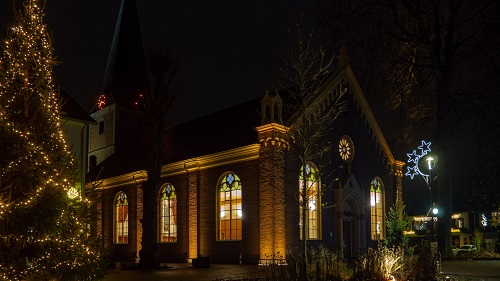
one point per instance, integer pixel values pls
(228, 178)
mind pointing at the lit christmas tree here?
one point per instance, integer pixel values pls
(44, 233)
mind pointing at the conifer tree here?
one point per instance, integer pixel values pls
(44, 233)
(396, 222)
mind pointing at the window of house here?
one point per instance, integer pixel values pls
(168, 214)
(377, 215)
(121, 218)
(92, 161)
(101, 127)
(309, 188)
(229, 207)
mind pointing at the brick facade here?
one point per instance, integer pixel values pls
(269, 174)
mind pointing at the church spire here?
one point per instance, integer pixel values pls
(126, 79)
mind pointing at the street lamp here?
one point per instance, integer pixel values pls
(430, 164)
(435, 211)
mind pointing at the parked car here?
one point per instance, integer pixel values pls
(454, 250)
(467, 250)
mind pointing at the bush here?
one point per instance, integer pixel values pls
(379, 264)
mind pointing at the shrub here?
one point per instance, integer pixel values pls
(379, 264)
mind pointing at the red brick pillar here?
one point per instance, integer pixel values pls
(193, 246)
(272, 192)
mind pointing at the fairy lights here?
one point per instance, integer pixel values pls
(101, 102)
(43, 235)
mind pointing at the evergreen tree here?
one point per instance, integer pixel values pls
(396, 225)
(44, 234)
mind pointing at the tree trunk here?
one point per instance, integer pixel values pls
(303, 264)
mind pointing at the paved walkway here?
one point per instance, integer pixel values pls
(185, 271)
(475, 270)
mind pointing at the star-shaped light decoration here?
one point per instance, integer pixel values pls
(414, 157)
(425, 147)
(411, 171)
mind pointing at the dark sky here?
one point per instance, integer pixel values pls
(227, 51)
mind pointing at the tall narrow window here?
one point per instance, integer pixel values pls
(309, 188)
(377, 215)
(168, 214)
(121, 218)
(101, 127)
(230, 212)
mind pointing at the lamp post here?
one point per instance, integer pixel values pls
(434, 210)
(430, 164)
(413, 169)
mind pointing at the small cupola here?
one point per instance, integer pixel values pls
(271, 106)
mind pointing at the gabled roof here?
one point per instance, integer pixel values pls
(70, 109)
(223, 130)
(343, 79)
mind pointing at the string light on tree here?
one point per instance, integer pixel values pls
(44, 234)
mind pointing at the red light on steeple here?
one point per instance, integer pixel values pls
(101, 101)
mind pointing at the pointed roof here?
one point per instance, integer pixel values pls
(126, 73)
(343, 79)
(70, 109)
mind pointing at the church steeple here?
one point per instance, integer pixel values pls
(126, 75)
(124, 91)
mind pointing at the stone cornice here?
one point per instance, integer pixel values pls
(241, 154)
(121, 180)
(272, 134)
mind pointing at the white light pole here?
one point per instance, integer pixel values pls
(430, 163)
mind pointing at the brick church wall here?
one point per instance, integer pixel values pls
(229, 251)
(120, 252)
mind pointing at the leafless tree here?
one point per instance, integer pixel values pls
(310, 118)
(435, 62)
(162, 71)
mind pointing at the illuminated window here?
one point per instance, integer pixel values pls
(229, 207)
(168, 214)
(311, 185)
(121, 218)
(377, 215)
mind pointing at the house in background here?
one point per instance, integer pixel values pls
(228, 177)
(75, 122)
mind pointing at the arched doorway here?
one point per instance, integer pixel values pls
(353, 218)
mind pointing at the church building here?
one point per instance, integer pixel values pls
(227, 177)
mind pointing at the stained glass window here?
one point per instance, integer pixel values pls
(377, 215)
(230, 211)
(121, 218)
(312, 184)
(168, 214)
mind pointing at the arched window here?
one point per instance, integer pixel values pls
(121, 218)
(311, 184)
(229, 207)
(168, 214)
(377, 214)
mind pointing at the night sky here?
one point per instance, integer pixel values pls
(227, 51)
